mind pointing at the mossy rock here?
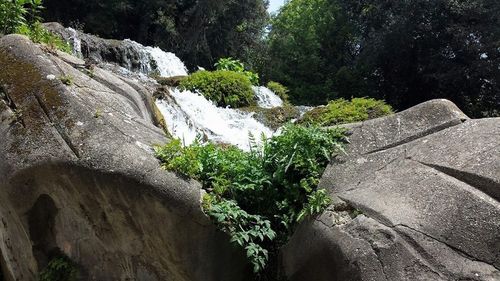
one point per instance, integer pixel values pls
(225, 88)
(342, 111)
(173, 81)
(274, 117)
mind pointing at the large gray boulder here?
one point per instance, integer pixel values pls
(427, 182)
(78, 176)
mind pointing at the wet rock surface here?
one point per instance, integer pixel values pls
(79, 177)
(124, 53)
(427, 183)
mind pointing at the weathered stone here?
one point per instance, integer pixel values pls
(97, 50)
(79, 177)
(428, 183)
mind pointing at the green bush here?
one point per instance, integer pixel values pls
(341, 111)
(38, 34)
(231, 64)
(14, 13)
(225, 88)
(278, 89)
(21, 16)
(257, 197)
(60, 268)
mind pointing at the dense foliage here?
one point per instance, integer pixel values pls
(308, 47)
(342, 111)
(405, 52)
(231, 64)
(257, 197)
(38, 34)
(199, 32)
(16, 13)
(225, 88)
(278, 89)
(22, 17)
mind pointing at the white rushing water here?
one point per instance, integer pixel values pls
(266, 98)
(168, 64)
(75, 42)
(189, 114)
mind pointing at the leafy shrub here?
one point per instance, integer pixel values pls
(59, 269)
(231, 64)
(278, 89)
(257, 197)
(341, 111)
(14, 13)
(38, 34)
(21, 16)
(225, 88)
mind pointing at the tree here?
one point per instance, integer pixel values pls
(199, 32)
(309, 47)
(405, 52)
(416, 50)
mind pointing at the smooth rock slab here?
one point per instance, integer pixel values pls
(78, 176)
(429, 198)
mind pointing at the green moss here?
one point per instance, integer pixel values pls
(225, 88)
(66, 80)
(278, 89)
(342, 111)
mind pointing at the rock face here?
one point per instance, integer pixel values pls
(124, 53)
(79, 178)
(427, 181)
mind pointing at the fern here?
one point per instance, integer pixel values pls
(257, 197)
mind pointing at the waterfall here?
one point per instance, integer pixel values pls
(189, 114)
(153, 59)
(167, 64)
(75, 42)
(266, 98)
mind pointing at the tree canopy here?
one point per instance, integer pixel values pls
(405, 52)
(199, 32)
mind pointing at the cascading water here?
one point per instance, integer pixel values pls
(266, 98)
(75, 42)
(167, 64)
(189, 115)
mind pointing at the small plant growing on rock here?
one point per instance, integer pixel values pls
(66, 80)
(257, 197)
(98, 113)
(38, 34)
